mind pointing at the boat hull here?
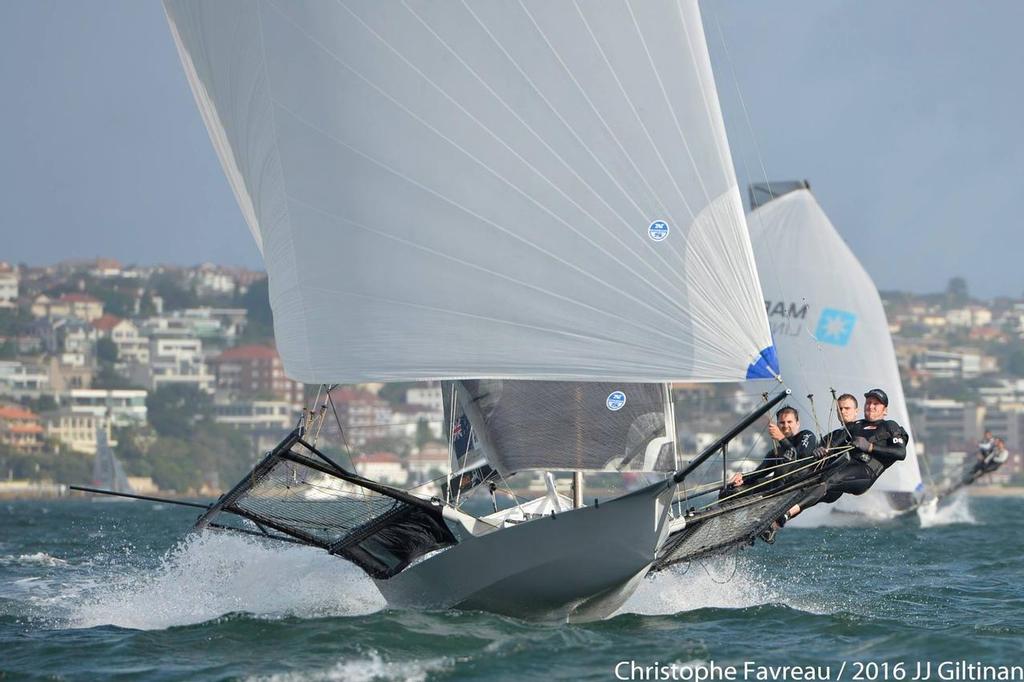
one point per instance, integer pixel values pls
(579, 565)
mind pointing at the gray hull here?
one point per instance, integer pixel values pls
(578, 565)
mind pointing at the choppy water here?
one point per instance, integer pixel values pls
(115, 591)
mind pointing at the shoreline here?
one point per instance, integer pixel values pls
(996, 491)
(12, 491)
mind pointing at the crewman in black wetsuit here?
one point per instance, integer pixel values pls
(790, 445)
(877, 442)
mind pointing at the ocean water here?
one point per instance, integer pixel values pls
(119, 591)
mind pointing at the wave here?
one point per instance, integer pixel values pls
(371, 668)
(938, 513)
(725, 582)
(212, 574)
(37, 559)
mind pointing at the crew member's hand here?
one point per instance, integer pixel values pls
(775, 432)
(736, 480)
(820, 452)
(861, 443)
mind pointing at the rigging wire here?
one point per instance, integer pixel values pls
(344, 438)
(802, 370)
(839, 451)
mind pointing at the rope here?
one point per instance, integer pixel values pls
(814, 413)
(801, 369)
(465, 460)
(322, 415)
(341, 430)
(776, 480)
(433, 480)
(307, 413)
(711, 487)
(835, 402)
(735, 566)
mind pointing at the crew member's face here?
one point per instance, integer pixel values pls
(788, 424)
(847, 411)
(873, 409)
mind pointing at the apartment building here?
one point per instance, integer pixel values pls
(255, 370)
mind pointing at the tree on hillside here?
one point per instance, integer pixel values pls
(395, 392)
(259, 320)
(106, 350)
(1015, 362)
(174, 294)
(15, 321)
(424, 434)
(108, 378)
(174, 410)
(956, 292)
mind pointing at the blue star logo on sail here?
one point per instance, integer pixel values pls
(835, 326)
(658, 230)
(615, 401)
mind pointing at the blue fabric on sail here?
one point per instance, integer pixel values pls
(766, 366)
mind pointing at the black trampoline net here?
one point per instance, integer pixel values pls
(296, 495)
(724, 527)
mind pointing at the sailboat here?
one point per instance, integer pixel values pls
(107, 471)
(533, 201)
(830, 330)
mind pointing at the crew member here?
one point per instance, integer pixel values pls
(846, 406)
(995, 457)
(790, 444)
(999, 456)
(985, 446)
(877, 443)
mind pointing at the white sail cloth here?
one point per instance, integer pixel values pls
(483, 189)
(828, 321)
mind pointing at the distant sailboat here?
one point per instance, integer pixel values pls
(830, 329)
(107, 471)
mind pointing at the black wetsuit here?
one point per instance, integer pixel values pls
(777, 463)
(889, 441)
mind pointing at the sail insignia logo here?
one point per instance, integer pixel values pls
(658, 230)
(615, 401)
(835, 326)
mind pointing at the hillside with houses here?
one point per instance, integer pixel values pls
(176, 367)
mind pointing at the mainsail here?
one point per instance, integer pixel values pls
(535, 190)
(577, 426)
(829, 328)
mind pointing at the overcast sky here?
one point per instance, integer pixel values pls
(906, 117)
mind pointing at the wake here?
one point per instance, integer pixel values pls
(956, 509)
(212, 574)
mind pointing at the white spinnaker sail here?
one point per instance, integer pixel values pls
(483, 189)
(829, 325)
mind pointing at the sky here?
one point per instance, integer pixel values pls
(904, 116)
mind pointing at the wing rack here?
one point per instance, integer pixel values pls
(297, 494)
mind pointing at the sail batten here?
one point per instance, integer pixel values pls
(524, 190)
